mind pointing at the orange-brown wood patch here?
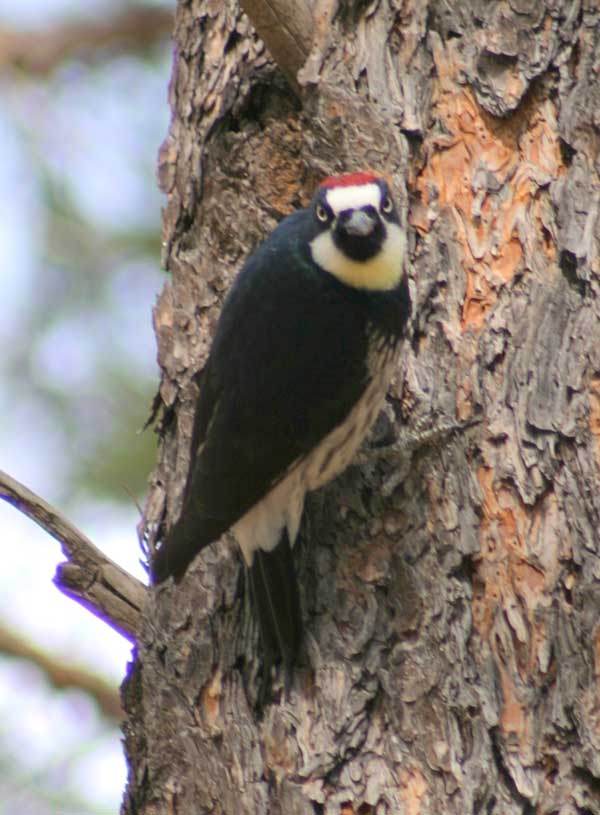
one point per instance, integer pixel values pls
(492, 174)
(413, 791)
(594, 396)
(518, 567)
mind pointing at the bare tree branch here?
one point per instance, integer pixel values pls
(61, 675)
(286, 28)
(38, 52)
(88, 576)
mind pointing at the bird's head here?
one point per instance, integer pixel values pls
(359, 238)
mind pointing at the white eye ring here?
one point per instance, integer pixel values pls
(387, 205)
(321, 213)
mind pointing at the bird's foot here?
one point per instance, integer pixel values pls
(427, 430)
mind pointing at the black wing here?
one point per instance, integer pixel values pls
(287, 364)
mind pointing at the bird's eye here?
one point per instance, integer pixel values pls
(321, 213)
(387, 205)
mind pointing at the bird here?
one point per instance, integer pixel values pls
(301, 360)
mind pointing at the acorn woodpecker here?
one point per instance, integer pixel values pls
(299, 367)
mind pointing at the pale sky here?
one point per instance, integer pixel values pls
(88, 131)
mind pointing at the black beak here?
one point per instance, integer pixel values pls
(358, 223)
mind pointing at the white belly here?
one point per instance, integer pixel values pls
(339, 447)
(282, 506)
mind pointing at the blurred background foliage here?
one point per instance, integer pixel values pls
(83, 110)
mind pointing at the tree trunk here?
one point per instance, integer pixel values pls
(453, 642)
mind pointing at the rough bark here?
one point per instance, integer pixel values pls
(453, 645)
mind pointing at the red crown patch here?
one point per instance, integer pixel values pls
(349, 180)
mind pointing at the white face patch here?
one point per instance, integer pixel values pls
(356, 197)
(381, 273)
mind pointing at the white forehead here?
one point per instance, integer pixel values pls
(355, 197)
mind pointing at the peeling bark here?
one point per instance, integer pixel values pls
(453, 645)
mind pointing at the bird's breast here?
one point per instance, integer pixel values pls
(336, 451)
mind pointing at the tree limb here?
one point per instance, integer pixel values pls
(38, 52)
(286, 28)
(88, 576)
(63, 676)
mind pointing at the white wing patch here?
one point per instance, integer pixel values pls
(356, 197)
(382, 273)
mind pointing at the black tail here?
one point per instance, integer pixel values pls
(275, 596)
(188, 536)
